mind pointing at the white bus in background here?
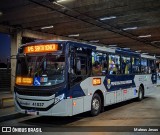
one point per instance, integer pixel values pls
(65, 78)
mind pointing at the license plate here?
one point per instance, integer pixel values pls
(31, 112)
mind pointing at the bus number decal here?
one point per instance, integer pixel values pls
(37, 104)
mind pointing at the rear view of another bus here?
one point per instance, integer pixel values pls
(149, 77)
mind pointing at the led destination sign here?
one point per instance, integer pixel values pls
(41, 48)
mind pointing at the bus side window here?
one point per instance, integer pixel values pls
(105, 67)
(71, 69)
(114, 64)
(125, 65)
(135, 65)
(81, 65)
(78, 64)
(144, 68)
(151, 66)
(97, 68)
(99, 63)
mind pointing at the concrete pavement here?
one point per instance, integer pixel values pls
(130, 113)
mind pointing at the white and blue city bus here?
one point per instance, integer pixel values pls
(65, 78)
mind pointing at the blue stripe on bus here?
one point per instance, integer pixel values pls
(116, 82)
(76, 91)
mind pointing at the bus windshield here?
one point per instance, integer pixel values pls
(44, 69)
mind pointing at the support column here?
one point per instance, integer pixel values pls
(16, 39)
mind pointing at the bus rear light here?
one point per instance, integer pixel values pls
(125, 91)
(96, 81)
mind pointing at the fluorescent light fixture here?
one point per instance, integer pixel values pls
(144, 53)
(126, 48)
(73, 35)
(138, 51)
(47, 27)
(144, 36)
(153, 42)
(112, 45)
(94, 41)
(107, 18)
(130, 28)
(60, 0)
(1, 13)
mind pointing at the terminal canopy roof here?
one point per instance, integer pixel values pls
(133, 24)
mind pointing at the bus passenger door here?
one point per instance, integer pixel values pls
(79, 64)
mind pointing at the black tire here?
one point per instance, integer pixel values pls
(140, 93)
(96, 104)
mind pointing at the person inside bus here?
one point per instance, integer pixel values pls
(127, 70)
(116, 69)
(105, 69)
(97, 68)
(123, 66)
(153, 69)
(112, 69)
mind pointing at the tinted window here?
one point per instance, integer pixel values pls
(114, 64)
(48, 68)
(99, 63)
(151, 66)
(125, 65)
(144, 66)
(135, 65)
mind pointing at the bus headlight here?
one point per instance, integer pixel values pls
(59, 98)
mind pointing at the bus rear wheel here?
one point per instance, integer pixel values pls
(95, 105)
(140, 93)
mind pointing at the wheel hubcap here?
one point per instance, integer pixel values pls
(95, 104)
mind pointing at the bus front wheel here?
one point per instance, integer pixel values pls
(140, 93)
(95, 105)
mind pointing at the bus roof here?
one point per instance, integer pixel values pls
(78, 44)
(105, 49)
(148, 56)
(118, 51)
(94, 47)
(127, 52)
